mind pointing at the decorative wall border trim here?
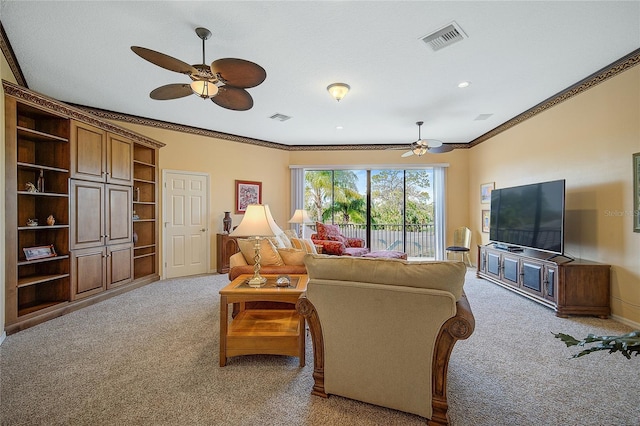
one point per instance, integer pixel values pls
(69, 111)
(604, 74)
(8, 53)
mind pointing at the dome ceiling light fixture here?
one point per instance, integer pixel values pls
(338, 90)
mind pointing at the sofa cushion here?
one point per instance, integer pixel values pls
(304, 244)
(440, 275)
(268, 253)
(291, 256)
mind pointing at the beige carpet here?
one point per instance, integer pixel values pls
(151, 357)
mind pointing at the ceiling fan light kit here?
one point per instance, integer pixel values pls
(338, 90)
(224, 81)
(422, 146)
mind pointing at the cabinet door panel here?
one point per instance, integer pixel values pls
(88, 152)
(88, 272)
(119, 265)
(532, 277)
(87, 214)
(119, 160)
(510, 270)
(118, 217)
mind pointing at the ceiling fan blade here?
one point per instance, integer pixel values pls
(233, 98)
(164, 61)
(171, 91)
(238, 72)
(441, 149)
(407, 154)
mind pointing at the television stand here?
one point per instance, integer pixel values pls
(568, 286)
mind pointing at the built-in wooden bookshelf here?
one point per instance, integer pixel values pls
(53, 151)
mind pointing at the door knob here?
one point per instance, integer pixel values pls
(202, 230)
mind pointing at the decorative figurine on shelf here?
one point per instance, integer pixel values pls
(135, 237)
(137, 194)
(40, 183)
(135, 216)
(30, 187)
(51, 220)
(32, 222)
(226, 222)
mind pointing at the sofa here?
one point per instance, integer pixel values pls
(333, 242)
(383, 330)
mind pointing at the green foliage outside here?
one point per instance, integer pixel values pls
(335, 193)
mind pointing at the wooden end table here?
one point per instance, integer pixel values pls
(262, 331)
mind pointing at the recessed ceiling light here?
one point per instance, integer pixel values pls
(464, 84)
(339, 127)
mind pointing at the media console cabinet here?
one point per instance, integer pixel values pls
(570, 287)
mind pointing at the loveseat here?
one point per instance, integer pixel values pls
(383, 330)
(333, 242)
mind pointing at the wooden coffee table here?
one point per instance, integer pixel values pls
(262, 331)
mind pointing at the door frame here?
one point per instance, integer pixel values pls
(163, 266)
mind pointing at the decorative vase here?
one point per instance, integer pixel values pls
(226, 222)
(135, 237)
(51, 220)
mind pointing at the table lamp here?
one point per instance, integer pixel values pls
(300, 216)
(256, 223)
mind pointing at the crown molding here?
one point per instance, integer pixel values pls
(69, 111)
(604, 74)
(8, 53)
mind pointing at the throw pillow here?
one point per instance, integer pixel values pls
(305, 245)
(292, 256)
(268, 253)
(285, 240)
(330, 232)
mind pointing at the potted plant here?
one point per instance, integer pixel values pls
(627, 344)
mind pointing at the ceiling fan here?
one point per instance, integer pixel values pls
(224, 81)
(422, 146)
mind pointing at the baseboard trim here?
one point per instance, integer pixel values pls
(632, 324)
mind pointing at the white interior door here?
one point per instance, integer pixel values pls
(186, 219)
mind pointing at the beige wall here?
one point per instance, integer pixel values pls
(224, 161)
(589, 141)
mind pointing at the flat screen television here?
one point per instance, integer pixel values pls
(529, 216)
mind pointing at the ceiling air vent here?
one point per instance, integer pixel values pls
(279, 117)
(444, 37)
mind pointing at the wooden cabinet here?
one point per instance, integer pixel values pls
(100, 156)
(100, 268)
(79, 173)
(226, 246)
(577, 287)
(101, 214)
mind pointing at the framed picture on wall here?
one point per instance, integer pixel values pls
(247, 192)
(485, 192)
(486, 220)
(636, 192)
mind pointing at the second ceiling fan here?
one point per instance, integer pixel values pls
(422, 146)
(224, 81)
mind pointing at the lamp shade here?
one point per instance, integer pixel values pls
(257, 222)
(300, 216)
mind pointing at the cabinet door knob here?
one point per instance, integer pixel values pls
(202, 230)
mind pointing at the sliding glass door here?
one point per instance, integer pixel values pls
(390, 209)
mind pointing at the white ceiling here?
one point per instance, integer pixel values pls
(517, 54)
